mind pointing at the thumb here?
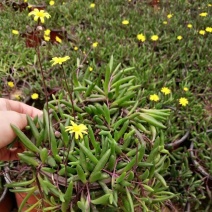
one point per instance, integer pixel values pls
(6, 119)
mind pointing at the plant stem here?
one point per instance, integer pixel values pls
(69, 91)
(78, 68)
(45, 88)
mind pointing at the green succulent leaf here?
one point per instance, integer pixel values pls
(24, 139)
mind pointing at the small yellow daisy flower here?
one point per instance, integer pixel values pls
(90, 68)
(58, 39)
(179, 37)
(208, 29)
(203, 14)
(10, 84)
(154, 37)
(141, 37)
(202, 32)
(59, 60)
(92, 5)
(46, 38)
(75, 48)
(39, 15)
(165, 22)
(51, 3)
(15, 32)
(95, 44)
(189, 26)
(78, 130)
(183, 101)
(125, 22)
(17, 97)
(165, 90)
(154, 98)
(34, 96)
(185, 88)
(169, 15)
(209, 5)
(47, 32)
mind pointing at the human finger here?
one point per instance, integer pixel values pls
(11, 105)
(7, 118)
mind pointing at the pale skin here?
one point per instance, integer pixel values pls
(13, 112)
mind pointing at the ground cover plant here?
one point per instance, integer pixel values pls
(168, 44)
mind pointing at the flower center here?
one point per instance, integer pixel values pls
(40, 14)
(76, 129)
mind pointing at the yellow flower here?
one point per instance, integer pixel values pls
(47, 32)
(183, 101)
(203, 14)
(78, 130)
(209, 5)
(58, 39)
(10, 84)
(165, 90)
(34, 96)
(92, 5)
(46, 38)
(169, 15)
(90, 68)
(141, 37)
(59, 60)
(39, 14)
(165, 22)
(208, 29)
(51, 3)
(179, 37)
(202, 32)
(25, 0)
(125, 22)
(185, 88)
(189, 26)
(95, 44)
(17, 97)
(75, 48)
(154, 97)
(15, 32)
(154, 37)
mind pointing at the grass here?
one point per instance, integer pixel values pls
(167, 62)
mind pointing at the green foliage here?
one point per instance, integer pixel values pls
(114, 161)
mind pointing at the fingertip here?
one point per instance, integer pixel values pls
(36, 112)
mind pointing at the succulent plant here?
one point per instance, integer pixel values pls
(115, 162)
